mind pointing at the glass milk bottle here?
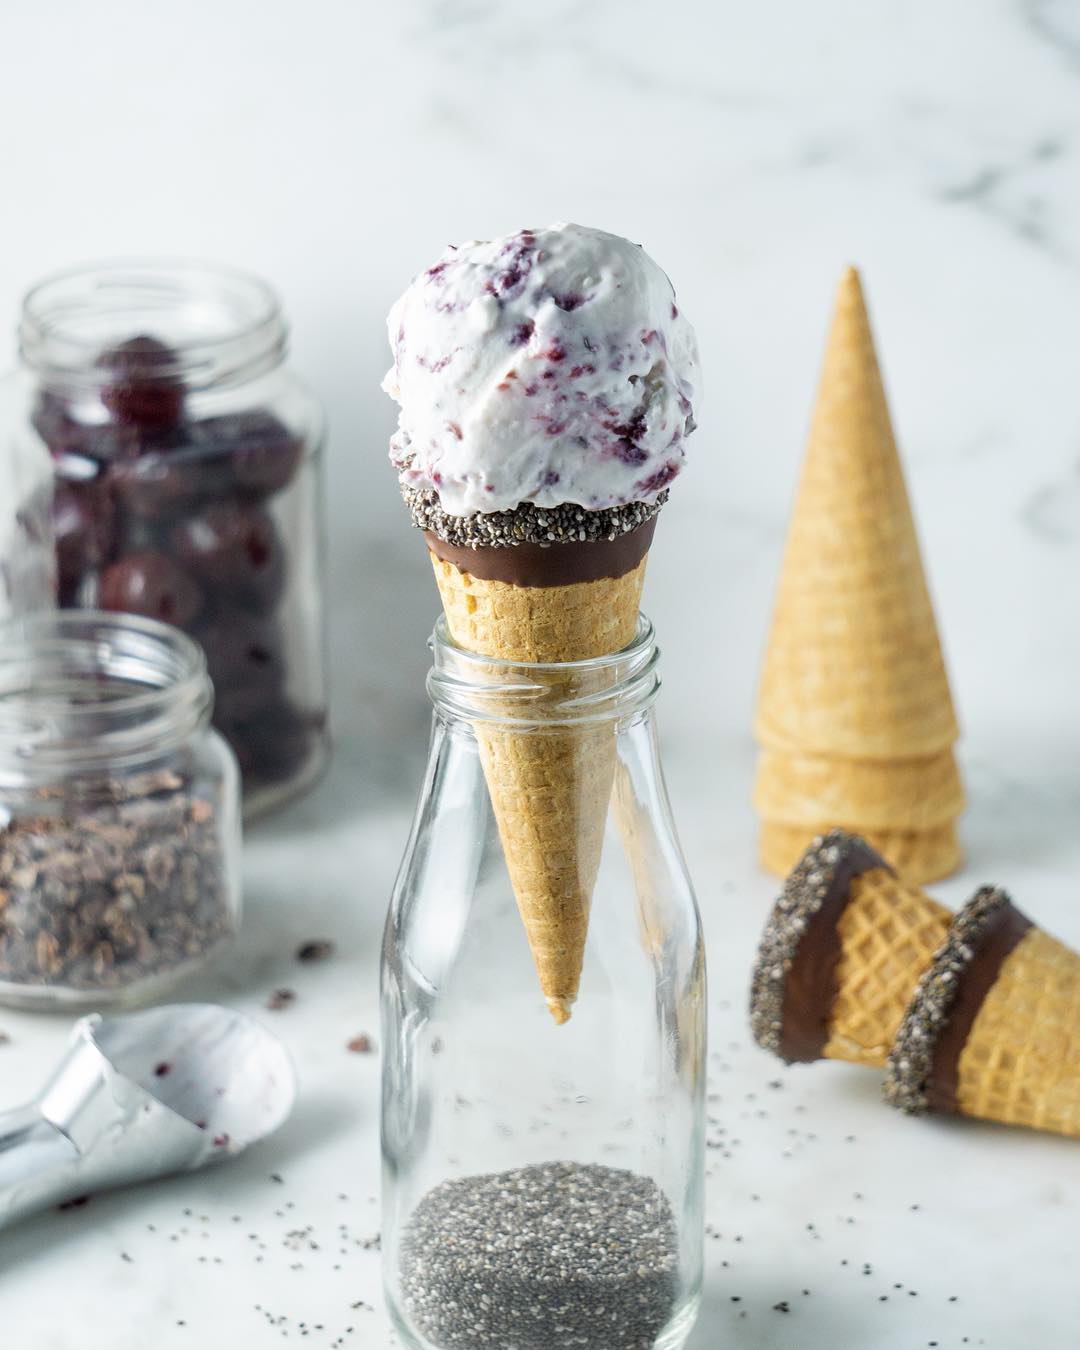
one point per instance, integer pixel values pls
(543, 1175)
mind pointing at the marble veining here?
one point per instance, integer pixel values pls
(754, 150)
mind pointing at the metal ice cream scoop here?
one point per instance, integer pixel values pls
(167, 1090)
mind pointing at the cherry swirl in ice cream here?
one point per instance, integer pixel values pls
(550, 369)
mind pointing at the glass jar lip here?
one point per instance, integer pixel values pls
(470, 687)
(248, 334)
(152, 689)
(643, 641)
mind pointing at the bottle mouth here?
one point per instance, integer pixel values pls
(475, 688)
(80, 690)
(215, 326)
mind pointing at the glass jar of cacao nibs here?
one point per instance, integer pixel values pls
(185, 486)
(119, 811)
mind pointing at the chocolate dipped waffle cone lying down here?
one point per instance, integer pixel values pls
(841, 954)
(993, 1029)
(977, 1014)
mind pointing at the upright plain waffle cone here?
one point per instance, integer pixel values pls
(549, 787)
(993, 1030)
(844, 949)
(906, 794)
(853, 667)
(918, 855)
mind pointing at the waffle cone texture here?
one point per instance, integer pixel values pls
(549, 786)
(842, 953)
(993, 1029)
(920, 856)
(855, 716)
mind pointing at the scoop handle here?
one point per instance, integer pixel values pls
(38, 1164)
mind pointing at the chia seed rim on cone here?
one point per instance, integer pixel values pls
(924, 1065)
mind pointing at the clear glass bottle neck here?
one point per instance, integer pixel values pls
(467, 688)
(221, 327)
(82, 693)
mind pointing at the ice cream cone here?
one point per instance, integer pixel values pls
(854, 668)
(914, 795)
(919, 856)
(546, 382)
(549, 787)
(993, 1030)
(841, 954)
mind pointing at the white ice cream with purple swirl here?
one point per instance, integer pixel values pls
(552, 366)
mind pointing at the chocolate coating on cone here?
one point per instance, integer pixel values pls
(924, 1066)
(794, 982)
(536, 565)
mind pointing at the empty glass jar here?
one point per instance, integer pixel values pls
(543, 1176)
(119, 812)
(167, 464)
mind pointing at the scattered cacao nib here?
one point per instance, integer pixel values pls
(281, 998)
(361, 1045)
(317, 950)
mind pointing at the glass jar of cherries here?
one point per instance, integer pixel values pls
(170, 468)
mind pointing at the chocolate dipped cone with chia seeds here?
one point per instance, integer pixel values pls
(841, 954)
(993, 1029)
(545, 383)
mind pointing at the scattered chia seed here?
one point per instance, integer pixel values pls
(585, 1254)
(281, 998)
(526, 524)
(912, 1057)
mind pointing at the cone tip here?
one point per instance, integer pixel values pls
(850, 282)
(560, 1009)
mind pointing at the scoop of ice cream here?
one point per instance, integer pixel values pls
(552, 366)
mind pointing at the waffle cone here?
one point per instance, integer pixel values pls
(905, 794)
(889, 931)
(918, 855)
(842, 955)
(853, 666)
(1021, 1062)
(549, 787)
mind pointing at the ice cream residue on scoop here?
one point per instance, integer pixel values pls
(551, 366)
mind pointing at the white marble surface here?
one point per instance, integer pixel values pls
(754, 149)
